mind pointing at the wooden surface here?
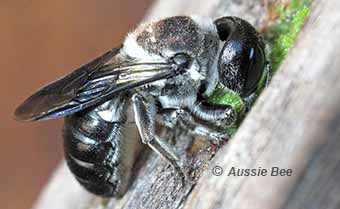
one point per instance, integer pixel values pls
(295, 125)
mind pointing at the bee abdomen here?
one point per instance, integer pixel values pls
(92, 151)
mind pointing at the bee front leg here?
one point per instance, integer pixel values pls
(183, 118)
(145, 115)
(217, 115)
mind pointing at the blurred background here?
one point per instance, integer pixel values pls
(41, 40)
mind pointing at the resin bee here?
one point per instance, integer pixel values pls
(165, 70)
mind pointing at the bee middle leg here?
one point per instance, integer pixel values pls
(145, 115)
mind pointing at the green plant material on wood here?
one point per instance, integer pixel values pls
(282, 34)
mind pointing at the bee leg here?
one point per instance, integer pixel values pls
(168, 118)
(184, 119)
(145, 114)
(217, 115)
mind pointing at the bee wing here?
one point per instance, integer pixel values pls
(89, 85)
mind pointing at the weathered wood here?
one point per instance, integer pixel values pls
(294, 125)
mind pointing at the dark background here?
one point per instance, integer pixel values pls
(41, 40)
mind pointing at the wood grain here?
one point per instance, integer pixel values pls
(295, 124)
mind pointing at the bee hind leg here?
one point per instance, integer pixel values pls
(145, 115)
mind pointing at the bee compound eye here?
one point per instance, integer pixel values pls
(255, 69)
(182, 60)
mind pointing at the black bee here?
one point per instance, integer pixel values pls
(165, 69)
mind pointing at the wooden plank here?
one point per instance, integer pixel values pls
(294, 125)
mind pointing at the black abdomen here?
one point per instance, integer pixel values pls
(95, 151)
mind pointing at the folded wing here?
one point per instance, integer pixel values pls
(89, 85)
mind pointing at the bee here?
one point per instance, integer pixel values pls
(164, 71)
